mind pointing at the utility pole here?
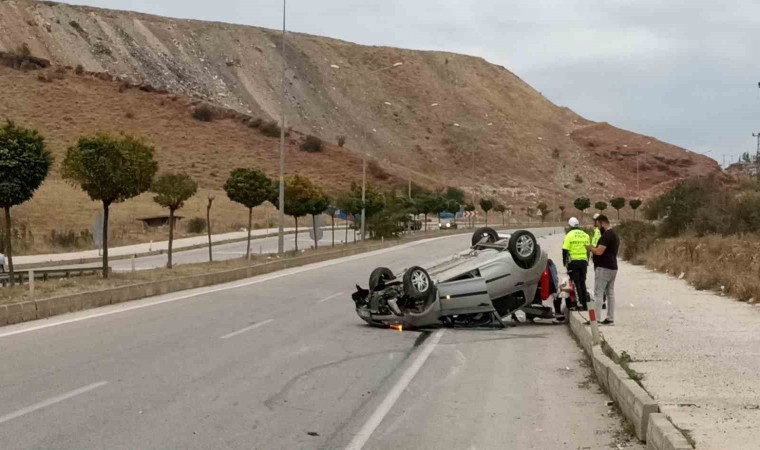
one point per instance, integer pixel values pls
(757, 155)
(409, 191)
(281, 231)
(638, 186)
(364, 188)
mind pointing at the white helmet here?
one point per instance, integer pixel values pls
(573, 222)
(596, 216)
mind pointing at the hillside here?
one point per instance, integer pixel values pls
(444, 119)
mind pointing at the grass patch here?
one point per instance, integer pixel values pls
(725, 264)
(625, 361)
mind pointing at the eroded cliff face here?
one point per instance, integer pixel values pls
(441, 117)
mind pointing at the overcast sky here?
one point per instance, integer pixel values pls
(684, 71)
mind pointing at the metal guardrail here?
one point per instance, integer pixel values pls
(23, 277)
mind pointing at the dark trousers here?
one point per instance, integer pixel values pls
(577, 271)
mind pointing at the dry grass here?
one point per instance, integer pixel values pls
(726, 264)
(66, 109)
(53, 288)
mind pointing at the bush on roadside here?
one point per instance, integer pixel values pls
(196, 225)
(635, 239)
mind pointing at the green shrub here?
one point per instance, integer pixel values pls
(196, 225)
(341, 141)
(79, 69)
(270, 128)
(204, 113)
(636, 238)
(312, 144)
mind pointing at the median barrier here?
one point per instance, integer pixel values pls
(53, 306)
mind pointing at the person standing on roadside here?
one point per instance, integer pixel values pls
(606, 266)
(2, 263)
(575, 258)
(594, 241)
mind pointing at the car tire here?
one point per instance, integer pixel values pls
(523, 247)
(379, 277)
(417, 283)
(480, 233)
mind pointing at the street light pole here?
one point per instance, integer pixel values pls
(281, 231)
(638, 186)
(364, 188)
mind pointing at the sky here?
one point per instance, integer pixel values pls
(683, 71)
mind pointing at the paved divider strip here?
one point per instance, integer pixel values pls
(49, 307)
(651, 426)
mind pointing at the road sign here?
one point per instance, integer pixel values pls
(97, 229)
(316, 223)
(470, 214)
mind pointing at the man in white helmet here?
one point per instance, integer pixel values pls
(575, 258)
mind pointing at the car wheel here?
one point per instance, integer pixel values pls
(487, 232)
(417, 283)
(379, 277)
(524, 247)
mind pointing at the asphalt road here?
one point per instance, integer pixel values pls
(282, 362)
(230, 251)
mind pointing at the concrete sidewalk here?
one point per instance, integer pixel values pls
(698, 352)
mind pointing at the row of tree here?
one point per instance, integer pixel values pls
(582, 204)
(114, 169)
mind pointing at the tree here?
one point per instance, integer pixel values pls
(350, 206)
(299, 193)
(600, 206)
(172, 191)
(618, 203)
(562, 213)
(634, 204)
(543, 208)
(110, 170)
(425, 203)
(486, 204)
(746, 158)
(250, 188)
(331, 210)
(582, 204)
(316, 206)
(501, 209)
(24, 164)
(456, 194)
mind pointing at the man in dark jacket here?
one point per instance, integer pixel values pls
(606, 266)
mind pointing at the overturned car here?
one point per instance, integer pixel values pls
(497, 276)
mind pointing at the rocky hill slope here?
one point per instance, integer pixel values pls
(441, 118)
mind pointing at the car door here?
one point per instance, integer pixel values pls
(466, 296)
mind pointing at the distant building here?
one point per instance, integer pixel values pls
(158, 221)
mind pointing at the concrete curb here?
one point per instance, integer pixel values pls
(44, 308)
(637, 405)
(663, 435)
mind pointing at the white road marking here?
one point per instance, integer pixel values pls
(146, 303)
(243, 330)
(50, 402)
(361, 438)
(330, 297)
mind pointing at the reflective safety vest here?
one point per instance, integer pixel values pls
(575, 243)
(597, 235)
